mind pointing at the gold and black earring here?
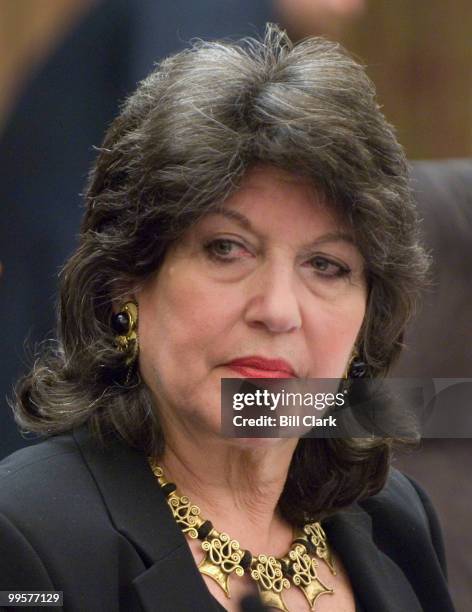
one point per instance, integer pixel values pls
(125, 324)
(356, 368)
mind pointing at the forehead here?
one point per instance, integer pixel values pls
(264, 177)
(270, 197)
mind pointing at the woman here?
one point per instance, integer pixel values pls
(248, 215)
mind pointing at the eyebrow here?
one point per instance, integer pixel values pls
(242, 220)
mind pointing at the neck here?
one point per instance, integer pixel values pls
(236, 486)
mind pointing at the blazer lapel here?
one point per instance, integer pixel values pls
(379, 582)
(138, 509)
(174, 583)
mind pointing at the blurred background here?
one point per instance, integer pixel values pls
(65, 66)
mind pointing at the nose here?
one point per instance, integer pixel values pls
(272, 301)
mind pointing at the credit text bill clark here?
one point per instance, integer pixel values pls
(308, 420)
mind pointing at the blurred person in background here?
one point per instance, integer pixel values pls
(329, 18)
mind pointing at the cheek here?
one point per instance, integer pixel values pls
(343, 331)
(180, 317)
(333, 333)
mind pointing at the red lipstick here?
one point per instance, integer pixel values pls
(255, 366)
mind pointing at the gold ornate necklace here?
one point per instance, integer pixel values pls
(224, 556)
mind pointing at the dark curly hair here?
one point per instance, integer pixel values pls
(181, 145)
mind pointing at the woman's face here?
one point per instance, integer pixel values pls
(286, 282)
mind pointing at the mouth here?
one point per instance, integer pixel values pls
(261, 367)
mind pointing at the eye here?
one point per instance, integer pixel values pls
(221, 249)
(328, 268)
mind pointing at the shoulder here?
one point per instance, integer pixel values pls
(392, 547)
(55, 528)
(34, 457)
(43, 472)
(46, 489)
(398, 496)
(401, 498)
(403, 518)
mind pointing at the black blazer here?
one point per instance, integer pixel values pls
(94, 524)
